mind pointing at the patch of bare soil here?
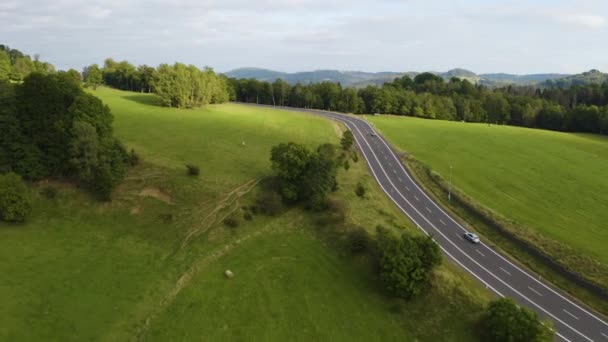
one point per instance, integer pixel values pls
(135, 210)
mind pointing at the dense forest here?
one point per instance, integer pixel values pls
(577, 108)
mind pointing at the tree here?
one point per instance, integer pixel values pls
(22, 67)
(347, 140)
(506, 321)
(92, 75)
(302, 175)
(318, 179)
(289, 162)
(5, 65)
(84, 150)
(406, 262)
(188, 87)
(15, 202)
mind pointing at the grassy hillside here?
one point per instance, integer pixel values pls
(548, 181)
(149, 265)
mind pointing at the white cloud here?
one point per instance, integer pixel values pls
(585, 20)
(482, 35)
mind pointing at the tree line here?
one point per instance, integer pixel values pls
(177, 85)
(15, 65)
(579, 108)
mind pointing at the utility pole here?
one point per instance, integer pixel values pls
(450, 188)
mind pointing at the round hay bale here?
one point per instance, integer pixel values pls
(229, 274)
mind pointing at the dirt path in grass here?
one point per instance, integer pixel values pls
(185, 279)
(226, 205)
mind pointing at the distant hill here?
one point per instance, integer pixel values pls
(362, 79)
(346, 78)
(590, 77)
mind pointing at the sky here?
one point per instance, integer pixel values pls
(515, 36)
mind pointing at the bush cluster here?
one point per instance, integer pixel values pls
(302, 175)
(406, 262)
(360, 190)
(15, 201)
(192, 170)
(505, 321)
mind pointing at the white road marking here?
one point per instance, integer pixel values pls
(566, 311)
(406, 188)
(416, 197)
(533, 290)
(507, 272)
(460, 236)
(427, 209)
(394, 171)
(477, 250)
(385, 158)
(443, 223)
(606, 336)
(459, 249)
(399, 178)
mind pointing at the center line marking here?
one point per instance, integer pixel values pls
(406, 188)
(443, 223)
(459, 236)
(477, 250)
(385, 158)
(606, 336)
(533, 290)
(570, 314)
(427, 209)
(416, 197)
(394, 171)
(507, 272)
(399, 178)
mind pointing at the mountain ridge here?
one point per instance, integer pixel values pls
(362, 78)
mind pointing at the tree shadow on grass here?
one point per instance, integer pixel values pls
(145, 99)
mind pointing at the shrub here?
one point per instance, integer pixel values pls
(346, 165)
(506, 321)
(231, 222)
(358, 240)
(166, 217)
(406, 262)
(133, 158)
(355, 156)
(49, 192)
(270, 203)
(15, 202)
(360, 190)
(334, 212)
(248, 216)
(347, 140)
(193, 170)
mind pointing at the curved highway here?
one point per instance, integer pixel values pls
(572, 321)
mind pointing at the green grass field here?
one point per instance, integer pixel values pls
(149, 265)
(552, 182)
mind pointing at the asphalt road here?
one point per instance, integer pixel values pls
(572, 321)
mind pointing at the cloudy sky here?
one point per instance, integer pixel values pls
(294, 35)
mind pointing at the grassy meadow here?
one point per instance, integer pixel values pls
(551, 182)
(149, 265)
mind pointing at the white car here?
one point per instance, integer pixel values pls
(471, 237)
